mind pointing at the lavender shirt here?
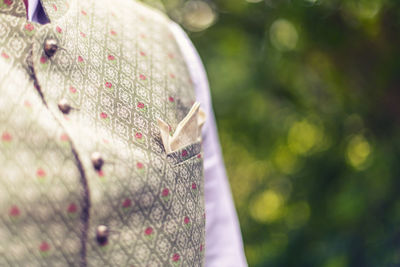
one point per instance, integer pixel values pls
(224, 246)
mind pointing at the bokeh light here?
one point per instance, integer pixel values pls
(283, 35)
(304, 136)
(358, 150)
(198, 15)
(266, 207)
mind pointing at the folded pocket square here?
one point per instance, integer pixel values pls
(187, 132)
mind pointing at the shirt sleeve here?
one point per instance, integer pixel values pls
(224, 246)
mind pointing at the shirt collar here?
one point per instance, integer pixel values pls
(32, 8)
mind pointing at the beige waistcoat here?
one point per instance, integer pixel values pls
(100, 150)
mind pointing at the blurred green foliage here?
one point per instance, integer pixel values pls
(306, 95)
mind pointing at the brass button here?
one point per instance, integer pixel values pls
(50, 47)
(64, 106)
(97, 161)
(102, 233)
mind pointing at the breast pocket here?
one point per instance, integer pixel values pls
(185, 175)
(186, 153)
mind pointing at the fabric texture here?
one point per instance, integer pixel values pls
(53, 197)
(223, 238)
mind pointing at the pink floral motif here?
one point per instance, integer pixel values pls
(176, 257)
(58, 29)
(139, 165)
(138, 135)
(171, 56)
(165, 192)
(184, 153)
(8, 2)
(64, 137)
(108, 84)
(186, 220)
(194, 186)
(143, 54)
(27, 104)
(127, 203)
(112, 32)
(5, 55)
(199, 156)
(6, 137)
(110, 57)
(148, 231)
(83, 12)
(72, 208)
(201, 247)
(140, 105)
(172, 75)
(40, 173)
(171, 99)
(14, 211)
(55, 7)
(83, 34)
(43, 60)
(72, 89)
(142, 77)
(100, 173)
(44, 247)
(80, 59)
(103, 115)
(29, 27)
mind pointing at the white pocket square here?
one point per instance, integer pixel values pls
(187, 132)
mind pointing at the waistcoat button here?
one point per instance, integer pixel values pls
(64, 106)
(50, 47)
(102, 235)
(97, 161)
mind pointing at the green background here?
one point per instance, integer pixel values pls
(306, 95)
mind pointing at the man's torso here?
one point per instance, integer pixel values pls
(120, 70)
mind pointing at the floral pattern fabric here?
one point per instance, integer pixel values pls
(120, 69)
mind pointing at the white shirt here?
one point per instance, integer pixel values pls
(224, 246)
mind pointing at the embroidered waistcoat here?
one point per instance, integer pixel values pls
(85, 179)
